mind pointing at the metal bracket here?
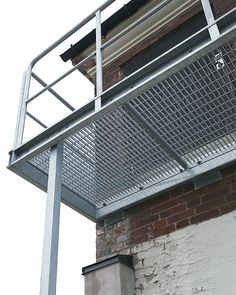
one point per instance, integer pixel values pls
(207, 178)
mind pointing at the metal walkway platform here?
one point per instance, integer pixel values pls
(164, 125)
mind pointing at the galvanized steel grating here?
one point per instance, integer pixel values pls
(184, 120)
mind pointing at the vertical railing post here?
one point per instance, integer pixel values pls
(99, 76)
(213, 29)
(52, 219)
(20, 124)
(17, 141)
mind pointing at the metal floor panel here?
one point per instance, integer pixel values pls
(179, 123)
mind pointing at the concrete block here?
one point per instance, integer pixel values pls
(113, 276)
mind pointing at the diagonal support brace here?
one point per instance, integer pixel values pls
(154, 134)
(53, 92)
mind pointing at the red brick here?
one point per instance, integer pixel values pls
(174, 210)
(182, 223)
(234, 187)
(164, 230)
(193, 203)
(231, 197)
(194, 195)
(229, 171)
(216, 194)
(205, 216)
(140, 231)
(143, 213)
(176, 192)
(180, 216)
(160, 224)
(210, 205)
(139, 239)
(163, 206)
(188, 188)
(231, 179)
(228, 208)
(215, 186)
(146, 220)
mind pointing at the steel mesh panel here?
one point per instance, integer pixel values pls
(122, 159)
(192, 110)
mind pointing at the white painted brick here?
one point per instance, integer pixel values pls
(198, 259)
(144, 247)
(141, 273)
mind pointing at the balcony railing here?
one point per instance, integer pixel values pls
(163, 125)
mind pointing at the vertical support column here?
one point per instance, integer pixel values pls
(213, 29)
(99, 78)
(51, 231)
(20, 124)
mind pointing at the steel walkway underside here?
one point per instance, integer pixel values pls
(152, 133)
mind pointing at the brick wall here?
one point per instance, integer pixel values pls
(167, 213)
(113, 72)
(220, 7)
(198, 259)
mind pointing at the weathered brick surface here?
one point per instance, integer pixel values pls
(167, 213)
(193, 260)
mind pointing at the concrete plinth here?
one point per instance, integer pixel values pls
(113, 276)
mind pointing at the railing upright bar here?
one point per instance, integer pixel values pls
(213, 28)
(22, 109)
(16, 137)
(99, 78)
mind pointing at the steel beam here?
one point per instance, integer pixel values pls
(154, 134)
(168, 184)
(51, 232)
(69, 198)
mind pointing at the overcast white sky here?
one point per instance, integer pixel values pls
(27, 28)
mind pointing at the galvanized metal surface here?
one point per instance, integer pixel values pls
(193, 111)
(213, 28)
(51, 231)
(165, 124)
